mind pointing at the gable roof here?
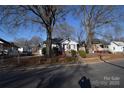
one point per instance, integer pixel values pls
(55, 41)
(69, 41)
(118, 43)
(4, 42)
(98, 41)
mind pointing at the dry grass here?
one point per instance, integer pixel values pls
(37, 60)
(96, 57)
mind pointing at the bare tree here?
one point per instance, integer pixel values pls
(64, 31)
(44, 16)
(35, 41)
(80, 36)
(21, 42)
(94, 17)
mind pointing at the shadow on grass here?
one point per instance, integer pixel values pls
(110, 63)
(15, 79)
(59, 78)
(45, 78)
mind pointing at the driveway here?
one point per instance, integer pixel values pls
(102, 74)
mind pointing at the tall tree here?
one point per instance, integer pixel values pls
(35, 41)
(94, 17)
(64, 31)
(22, 42)
(80, 37)
(45, 16)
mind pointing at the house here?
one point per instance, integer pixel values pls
(8, 48)
(99, 46)
(68, 45)
(56, 44)
(13, 49)
(82, 46)
(25, 51)
(37, 50)
(63, 45)
(3, 46)
(116, 46)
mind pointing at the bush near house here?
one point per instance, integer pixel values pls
(70, 59)
(44, 51)
(55, 51)
(82, 53)
(73, 53)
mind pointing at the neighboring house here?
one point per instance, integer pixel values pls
(7, 48)
(13, 50)
(37, 50)
(68, 45)
(25, 51)
(116, 46)
(4, 45)
(99, 46)
(82, 46)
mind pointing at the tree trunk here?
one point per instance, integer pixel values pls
(89, 45)
(49, 43)
(89, 41)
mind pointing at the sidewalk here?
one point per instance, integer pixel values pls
(98, 60)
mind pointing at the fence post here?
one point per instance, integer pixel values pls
(18, 58)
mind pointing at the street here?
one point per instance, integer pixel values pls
(102, 74)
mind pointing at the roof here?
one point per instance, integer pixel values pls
(60, 40)
(118, 43)
(7, 43)
(69, 41)
(98, 41)
(55, 41)
(4, 41)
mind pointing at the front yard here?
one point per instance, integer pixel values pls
(27, 61)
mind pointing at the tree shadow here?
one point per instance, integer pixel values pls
(58, 79)
(110, 63)
(54, 77)
(18, 77)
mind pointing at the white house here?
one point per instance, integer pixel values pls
(20, 49)
(68, 45)
(63, 45)
(116, 46)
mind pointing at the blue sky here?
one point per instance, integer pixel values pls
(29, 32)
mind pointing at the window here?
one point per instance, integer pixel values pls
(113, 48)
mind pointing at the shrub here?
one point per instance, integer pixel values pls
(70, 59)
(73, 53)
(82, 53)
(44, 51)
(55, 51)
